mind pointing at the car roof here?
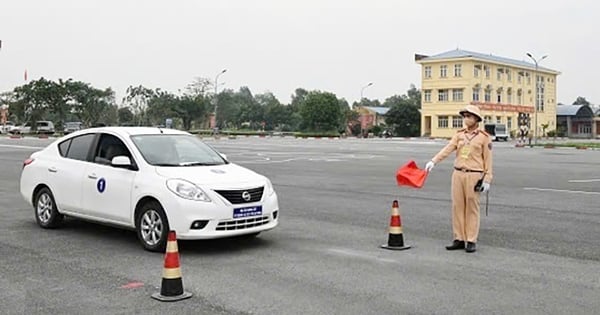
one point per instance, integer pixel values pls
(133, 131)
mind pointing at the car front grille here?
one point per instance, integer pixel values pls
(242, 224)
(236, 196)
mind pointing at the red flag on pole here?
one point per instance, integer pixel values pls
(409, 174)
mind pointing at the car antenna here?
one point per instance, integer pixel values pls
(161, 131)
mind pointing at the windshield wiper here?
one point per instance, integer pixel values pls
(165, 164)
(198, 164)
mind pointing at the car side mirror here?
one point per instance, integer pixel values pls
(121, 161)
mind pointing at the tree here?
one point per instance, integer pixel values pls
(581, 101)
(321, 111)
(91, 105)
(367, 102)
(125, 116)
(137, 99)
(405, 118)
(189, 109)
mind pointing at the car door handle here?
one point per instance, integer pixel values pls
(52, 169)
(92, 176)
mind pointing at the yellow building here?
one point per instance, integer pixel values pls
(501, 87)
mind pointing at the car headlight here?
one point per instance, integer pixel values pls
(187, 190)
(269, 188)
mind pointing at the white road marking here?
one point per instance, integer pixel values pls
(563, 191)
(14, 146)
(357, 254)
(584, 180)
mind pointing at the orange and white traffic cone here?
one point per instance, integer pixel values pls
(171, 289)
(395, 238)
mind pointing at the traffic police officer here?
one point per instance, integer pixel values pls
(473, 162)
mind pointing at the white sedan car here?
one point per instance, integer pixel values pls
(149, 179)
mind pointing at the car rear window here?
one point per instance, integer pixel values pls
(80, 146)
(63, 147)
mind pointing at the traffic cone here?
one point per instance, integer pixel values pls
(171, 289)
(395, 238)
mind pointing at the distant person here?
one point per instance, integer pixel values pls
(473, 163)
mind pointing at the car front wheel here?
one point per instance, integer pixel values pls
(152, 227)
(46, 213)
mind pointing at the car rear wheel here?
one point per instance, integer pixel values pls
(46, 213)
(152, 227)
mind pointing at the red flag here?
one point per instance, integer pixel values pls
(410, 175)
(25, 75)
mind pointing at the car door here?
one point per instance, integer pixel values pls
(106, 188)
(65, 171)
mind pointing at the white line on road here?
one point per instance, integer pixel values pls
(357, 254)
(19, 146)
(563, 191)
(584, 180)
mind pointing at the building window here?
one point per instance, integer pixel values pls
(443, 95)
(520, 98)
(457, 95)
(528, 77)
(509, 98)
(487, 119)
(458, 70)
(486, 69)
(427, 96)
(475, 95)
(476, 69)
(519, 78)
(488, 96)
(499, 74)
(508, 75)
(442, 121)
(427, 72)
(509, 123)
(540, 93)
(443, 71)
(499, 97)
(457, 122)
(498, 119)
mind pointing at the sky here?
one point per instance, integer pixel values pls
(277, 46)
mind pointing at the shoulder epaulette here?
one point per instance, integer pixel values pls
(461, 130)
(484, 132)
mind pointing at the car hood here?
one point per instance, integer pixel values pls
(225, 176)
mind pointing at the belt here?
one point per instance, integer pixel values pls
(467, 170)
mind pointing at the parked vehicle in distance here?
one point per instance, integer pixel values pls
(497, 131)
(8, 127)
(42, 126)
(72, 126)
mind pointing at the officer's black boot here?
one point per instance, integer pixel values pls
(471, 248)
(456, 244)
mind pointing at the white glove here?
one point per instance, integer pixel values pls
(485, 187)
(429, 166)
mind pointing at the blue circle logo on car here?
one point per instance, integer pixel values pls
(101, 185)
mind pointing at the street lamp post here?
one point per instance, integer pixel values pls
(537, 91)
(360, 103)
(363, 89)
(216, 95)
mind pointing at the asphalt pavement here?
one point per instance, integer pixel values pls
(538, 251)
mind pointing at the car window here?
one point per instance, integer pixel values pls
(63, 147)
(176, 150)
(80, 146)
(108, 147)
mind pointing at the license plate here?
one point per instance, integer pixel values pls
(247, 212)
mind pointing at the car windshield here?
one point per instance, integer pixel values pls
(176, 150)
